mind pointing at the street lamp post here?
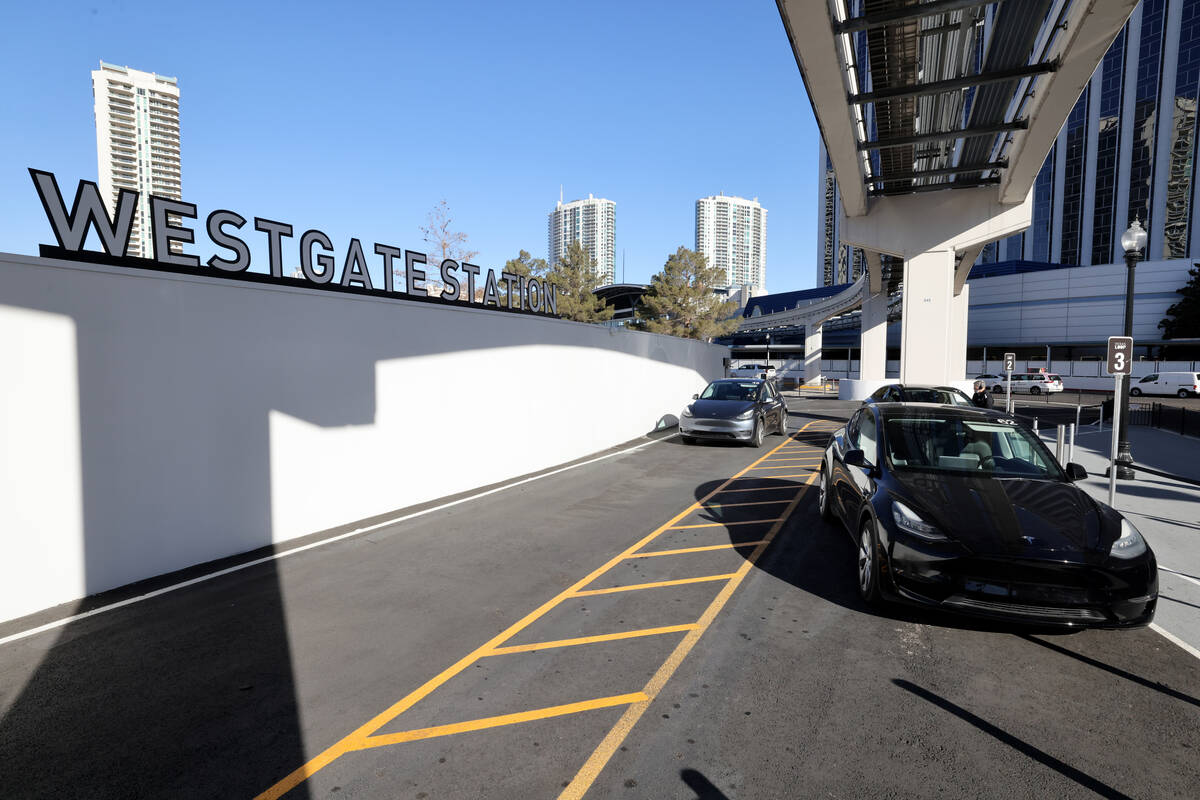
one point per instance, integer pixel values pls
(1132, 241)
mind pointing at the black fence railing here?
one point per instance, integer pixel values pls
(1176, 419)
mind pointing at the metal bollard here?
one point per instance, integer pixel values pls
(1071, 443)
(1035, 429)
(1100, 423)
(1060, 440)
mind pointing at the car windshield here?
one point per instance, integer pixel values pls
(943, 397)
(937, 444)
(730, 390)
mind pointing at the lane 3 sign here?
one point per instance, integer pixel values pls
(317, 262)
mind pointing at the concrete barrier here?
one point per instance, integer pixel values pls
(152, 421)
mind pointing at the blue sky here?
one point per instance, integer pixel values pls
(357, 118)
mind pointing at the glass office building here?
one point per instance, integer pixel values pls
(1126, 151)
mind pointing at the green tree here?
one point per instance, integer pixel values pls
(1183, 318)
(681, 301)
(576, 279)
(527, 267)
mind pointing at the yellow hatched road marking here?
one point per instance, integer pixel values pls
(724, 524)
(603, 637)
(354, 739)
(695, 549)
(789, 487)
(384, 740)
(791, 466)
(591, 769)
(637, 587)
(737, 505)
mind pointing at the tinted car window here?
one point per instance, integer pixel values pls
(866, 437)
(930, 443)
(730, 390)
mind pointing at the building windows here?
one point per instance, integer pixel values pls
(1112, 70)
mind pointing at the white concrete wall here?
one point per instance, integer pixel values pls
(151, 421)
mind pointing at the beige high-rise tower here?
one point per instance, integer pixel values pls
(137, 142)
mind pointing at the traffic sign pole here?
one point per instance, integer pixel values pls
(1116, 427)
(1010, 363)
(1120, 365)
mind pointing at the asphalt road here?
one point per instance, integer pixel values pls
(672, 622)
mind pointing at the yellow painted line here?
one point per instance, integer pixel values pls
(790, 466)
(755, 503)
(637, 587)
(603, 637)
(495, 722)
(772, 477)
(351, 740)
(757, 489)
(591, 769)
(724, 524)
(694, 549)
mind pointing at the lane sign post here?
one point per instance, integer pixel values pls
(1010, 364)
(1120, 364)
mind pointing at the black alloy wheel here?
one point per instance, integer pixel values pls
(1035, 390)
(1136, 392)
(997, 389)
(823, 506)
(868, 563)
(756, 440)
(783, 416)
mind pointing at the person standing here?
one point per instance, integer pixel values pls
(982, 398)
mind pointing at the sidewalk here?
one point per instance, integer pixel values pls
(1167, 512)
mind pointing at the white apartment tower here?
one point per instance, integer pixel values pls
(137, 142)
(593, 223)
(731, 232)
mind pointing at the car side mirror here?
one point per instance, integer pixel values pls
(856, 458)
(695, 397)
(1075, 472)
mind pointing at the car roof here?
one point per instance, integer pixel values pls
(738, 380)
(919, 386)
(965, 412)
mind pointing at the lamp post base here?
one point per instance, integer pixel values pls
(1124, 461)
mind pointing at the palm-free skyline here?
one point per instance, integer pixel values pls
(358, 121)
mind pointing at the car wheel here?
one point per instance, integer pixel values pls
(997, 389)
(1136, 392)
(783, 419)
(1184, 393)
(687, 439)
(756, 440)
(868, 563)
(1035, 390)
(823, 507)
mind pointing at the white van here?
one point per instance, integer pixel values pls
(1035, 383)
(1180, 384)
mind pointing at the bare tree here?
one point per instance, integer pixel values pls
(442, 242)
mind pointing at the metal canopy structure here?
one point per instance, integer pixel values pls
(941, 94)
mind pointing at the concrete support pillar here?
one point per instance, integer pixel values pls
(812, 352)
(927, 338)
(873, 352)
(959, 308)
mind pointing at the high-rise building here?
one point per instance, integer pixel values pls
(731, 232)
(137, 142)
(591, 222)
(1126, 151)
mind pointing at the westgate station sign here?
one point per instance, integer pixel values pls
(523, 294)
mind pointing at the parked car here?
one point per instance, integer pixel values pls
(1031, 383)
(967, 511)
(1180, 384)
(753, 371)
(913, 393)
(734, 409)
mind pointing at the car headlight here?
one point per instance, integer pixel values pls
(1130, 545)
(908, 520)
(687, 412)
(746, 415)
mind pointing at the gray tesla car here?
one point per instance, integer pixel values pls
(735, 409)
